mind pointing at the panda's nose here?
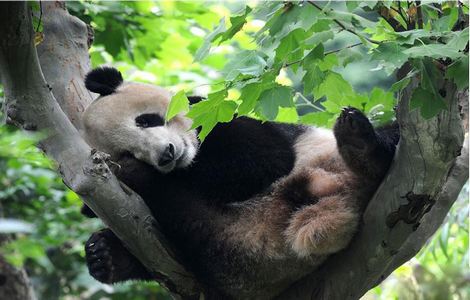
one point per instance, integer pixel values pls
(167, 156)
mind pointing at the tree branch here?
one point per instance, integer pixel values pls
(30, 104)
(425, 171)
(64, 59)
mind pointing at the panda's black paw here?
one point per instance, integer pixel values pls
(98, 256)
(109, 261)
(353, 129)
(87, 212)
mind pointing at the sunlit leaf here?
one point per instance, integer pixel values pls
(179, 103)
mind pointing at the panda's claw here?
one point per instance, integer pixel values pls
(353, 128)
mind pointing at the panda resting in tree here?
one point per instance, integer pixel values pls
(254, 207)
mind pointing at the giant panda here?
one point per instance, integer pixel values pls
(253, 208)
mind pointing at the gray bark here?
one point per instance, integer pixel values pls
(64, 59)
(32, 104)
(427, 171)
(14, 283)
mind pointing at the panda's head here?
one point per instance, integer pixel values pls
(129, 118)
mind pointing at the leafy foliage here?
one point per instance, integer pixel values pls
(295, 37)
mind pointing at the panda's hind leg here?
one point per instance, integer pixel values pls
(322, 228)
(367, 152)
(109, 261)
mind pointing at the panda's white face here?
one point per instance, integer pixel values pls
(132, 121)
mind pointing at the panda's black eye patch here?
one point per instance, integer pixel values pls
(149, 120)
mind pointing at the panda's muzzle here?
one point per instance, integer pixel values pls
(167, 156)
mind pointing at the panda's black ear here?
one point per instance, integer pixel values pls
(103, 80)
(195, 99)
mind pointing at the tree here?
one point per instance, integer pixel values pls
(426, 43)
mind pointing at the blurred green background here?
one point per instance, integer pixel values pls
(156, 43)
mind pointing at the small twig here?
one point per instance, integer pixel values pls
(343, 26)
(419, 14)
(307, 102)
(326, 53)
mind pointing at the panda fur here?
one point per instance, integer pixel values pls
(254, 207)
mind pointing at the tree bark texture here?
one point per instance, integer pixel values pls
(427, 174)
(31, 103)
(14, 283)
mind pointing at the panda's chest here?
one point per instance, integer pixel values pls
(231, 176)
(239, 160)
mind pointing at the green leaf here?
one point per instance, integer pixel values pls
(352, 5)
(270, 100)
(237, 24)
(379, 96)
(286, 16)
(287, 115)
(391, 54)
(248, 62)
(402, 83)
(351, 18)
(322, 25)
(434, 51)
(319, 37)
(410, 36)
(337, 91)
(225, 111)
(312, 78)
(206, 106)
(431, 77)
(322, 119)
(291, 17)
(447, 21)
(328, 62)
(460, 40)
(316, 54)
(429, 103)
(347, 56)
(204, 49)
(211, 111)
(249, 94)
(179, 103)
(458, 72)
(291, 46)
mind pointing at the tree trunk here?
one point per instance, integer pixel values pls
(14, 283)
(423, 182)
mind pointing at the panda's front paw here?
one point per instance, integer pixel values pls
(98, 256)
(109, 261)
(352, 128)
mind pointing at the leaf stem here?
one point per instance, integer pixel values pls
(420, 14)
(307, 102)
(326, 53)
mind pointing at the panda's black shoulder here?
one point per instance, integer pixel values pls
(244, 157)
(103, 80)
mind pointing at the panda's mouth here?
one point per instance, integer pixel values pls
(177, 161)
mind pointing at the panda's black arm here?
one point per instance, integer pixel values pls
(368, 152)
(87, 212)
(109, 261)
